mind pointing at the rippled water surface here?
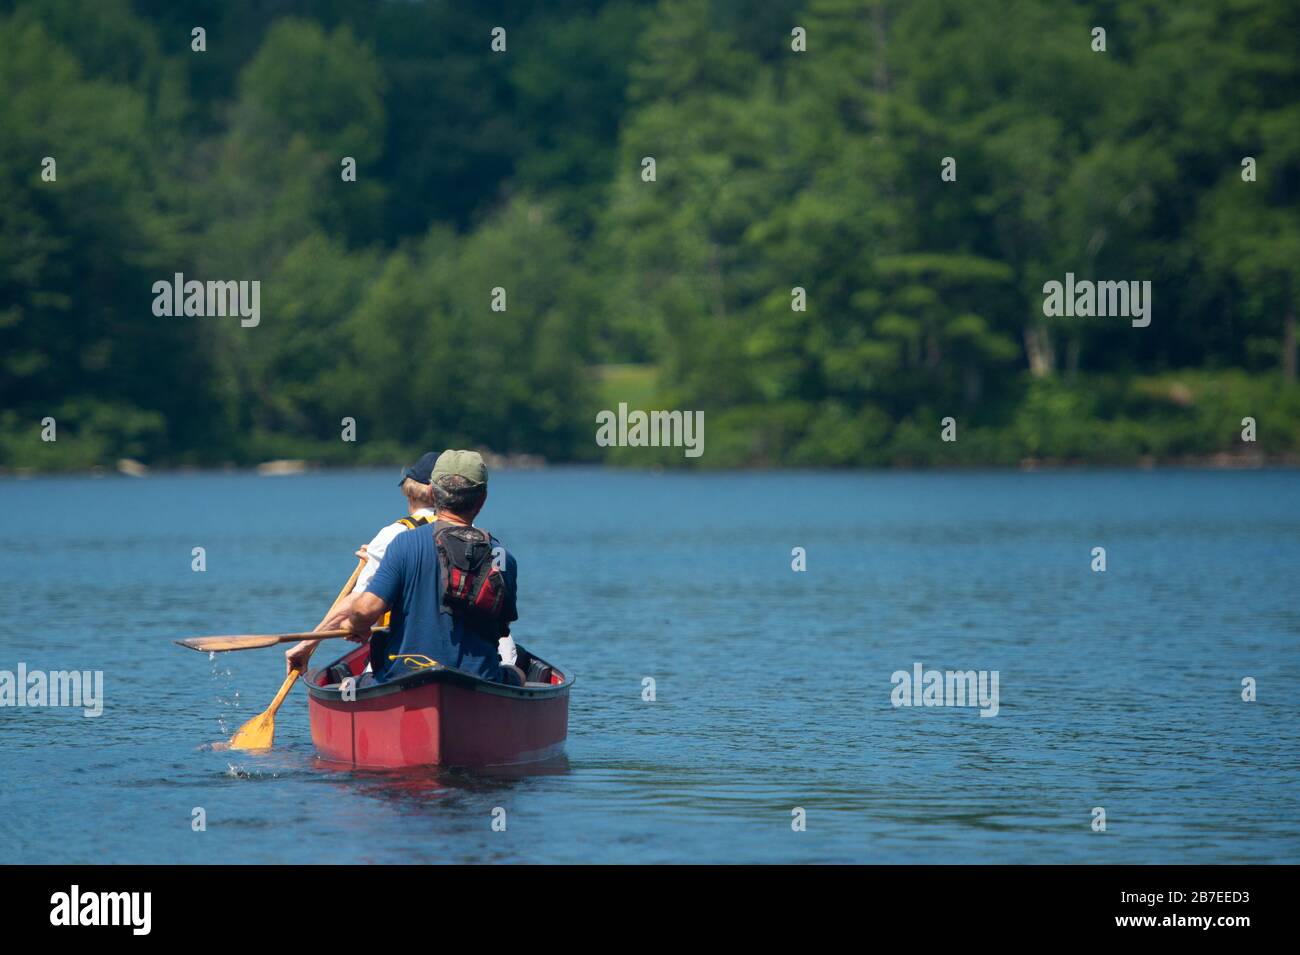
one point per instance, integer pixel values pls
(1119, 690)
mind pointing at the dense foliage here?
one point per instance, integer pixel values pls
(775, 170)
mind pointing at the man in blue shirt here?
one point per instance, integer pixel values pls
(424, 624)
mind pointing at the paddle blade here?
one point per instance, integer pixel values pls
(257, 733)
(218, 644)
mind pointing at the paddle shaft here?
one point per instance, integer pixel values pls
(347, 589)
(284, 691)
(313, 635)
(259, 732)
(294, 674)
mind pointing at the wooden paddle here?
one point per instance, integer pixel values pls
(254, 641)
(259, 732)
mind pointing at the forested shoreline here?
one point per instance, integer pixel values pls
(854, 209)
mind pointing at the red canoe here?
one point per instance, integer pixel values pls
(436, 717)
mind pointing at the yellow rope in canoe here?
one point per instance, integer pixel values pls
(417, 660)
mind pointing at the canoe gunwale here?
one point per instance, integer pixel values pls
(439, 674)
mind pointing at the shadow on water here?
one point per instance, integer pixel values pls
(424, 786)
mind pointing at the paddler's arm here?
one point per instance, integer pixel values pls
(363, 613)
(358, 613)
(366, 607)
(297, 656)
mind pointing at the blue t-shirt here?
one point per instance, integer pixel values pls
(408, 580)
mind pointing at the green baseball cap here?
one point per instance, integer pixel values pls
(466, 464)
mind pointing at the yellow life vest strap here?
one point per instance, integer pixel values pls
(413, 522)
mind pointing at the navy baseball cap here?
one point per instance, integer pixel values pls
(421, 470)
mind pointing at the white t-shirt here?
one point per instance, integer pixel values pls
(375, 549)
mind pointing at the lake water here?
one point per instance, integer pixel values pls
(1120, 690)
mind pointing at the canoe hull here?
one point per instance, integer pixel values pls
(437, 718)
